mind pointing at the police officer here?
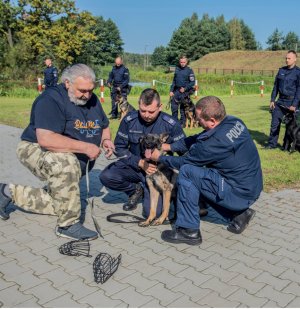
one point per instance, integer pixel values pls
(287, 85)
(118, 79)
(129, 172)
(182, 86)
(222, 167)
(50, 74)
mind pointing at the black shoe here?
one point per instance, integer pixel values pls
(182, 235)
(4, 201)
(133, 200)
(113, 117)
(203, 212)
(241, 221)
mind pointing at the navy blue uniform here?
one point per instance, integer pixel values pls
(287, 86)
(54, 111)
(124, 174)
(50, 76)
(183, 77)
(222, 167)
(118, 78)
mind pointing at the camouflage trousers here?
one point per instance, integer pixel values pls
(62, 173)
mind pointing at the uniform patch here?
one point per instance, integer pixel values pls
(123, 135)
(169, 120)
(177, 138)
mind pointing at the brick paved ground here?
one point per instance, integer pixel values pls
(257, 269)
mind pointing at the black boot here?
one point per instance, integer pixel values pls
(133, 199)
(241, 221)
(182, 235)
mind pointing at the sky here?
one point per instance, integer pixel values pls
(146, 24)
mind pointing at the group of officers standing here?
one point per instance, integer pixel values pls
(68, 128)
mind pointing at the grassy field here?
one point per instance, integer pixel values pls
(280, 169)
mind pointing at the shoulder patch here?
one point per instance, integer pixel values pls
(168, 119)
(131, 116)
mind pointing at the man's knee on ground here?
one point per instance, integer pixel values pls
(109, 179)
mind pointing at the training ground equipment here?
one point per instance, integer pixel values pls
(105, 266)
(76, 248)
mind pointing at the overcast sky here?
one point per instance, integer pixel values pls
(145, 25)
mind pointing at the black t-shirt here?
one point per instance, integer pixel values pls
(54, 111)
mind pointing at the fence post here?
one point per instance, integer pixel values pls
(196, 89)
(101, 91)
(231, 88)
(153, 84)
(262, 87)
(39, 85)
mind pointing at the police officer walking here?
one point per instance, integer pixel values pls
(128, 174)
(118, 79)
(287, 85)
(50, 74)
(182, 86)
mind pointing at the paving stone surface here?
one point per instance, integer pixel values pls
(259, 268)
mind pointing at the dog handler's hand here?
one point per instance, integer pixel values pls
(155, 155)
(92, 151)
(147, 167)
(108, 147)
(292, 108)
(272, 105)
(166, 147)
(171, 94)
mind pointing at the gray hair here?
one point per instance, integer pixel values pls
(77, 70)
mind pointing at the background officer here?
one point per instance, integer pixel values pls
(118, 79)
(182, 86)
(129, 172)
(50, 74)
(287, 85)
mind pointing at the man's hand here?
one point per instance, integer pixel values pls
(166, 147)
(92, 151)
(109, 85)
(272, 105)
(171, 94)
(292, 108)
(108, 147)
(181, 89)
(149, 168)
(156, 154)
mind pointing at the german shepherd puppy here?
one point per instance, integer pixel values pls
(125, 107)
(161, 182)
(291, 139)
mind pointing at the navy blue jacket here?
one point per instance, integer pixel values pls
(183, 77)
(133, 127)
(119, 76)
(229, 149)
(287, 85)
(50, 76)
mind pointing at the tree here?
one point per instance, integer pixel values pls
(54, 28)
(9, 21)
(237, 40)
(291, 41)
(107, 44)
(184, 40)
(275, 40)
(159, 56)
(248, 36)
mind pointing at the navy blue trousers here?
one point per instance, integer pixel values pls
(176, 103)
(119, 176)
(200, 183)
(277, 115)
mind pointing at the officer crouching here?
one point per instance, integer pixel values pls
(128, 174)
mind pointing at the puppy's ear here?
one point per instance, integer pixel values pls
(163, 137)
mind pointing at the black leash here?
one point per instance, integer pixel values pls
(131, 218)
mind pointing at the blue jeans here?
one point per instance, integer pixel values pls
(200, 183)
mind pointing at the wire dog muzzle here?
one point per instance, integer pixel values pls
(76, 248)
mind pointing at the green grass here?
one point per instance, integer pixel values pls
(280, 169)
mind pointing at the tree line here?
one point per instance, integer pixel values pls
(31, 30)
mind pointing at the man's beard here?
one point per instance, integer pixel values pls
(76, 100)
